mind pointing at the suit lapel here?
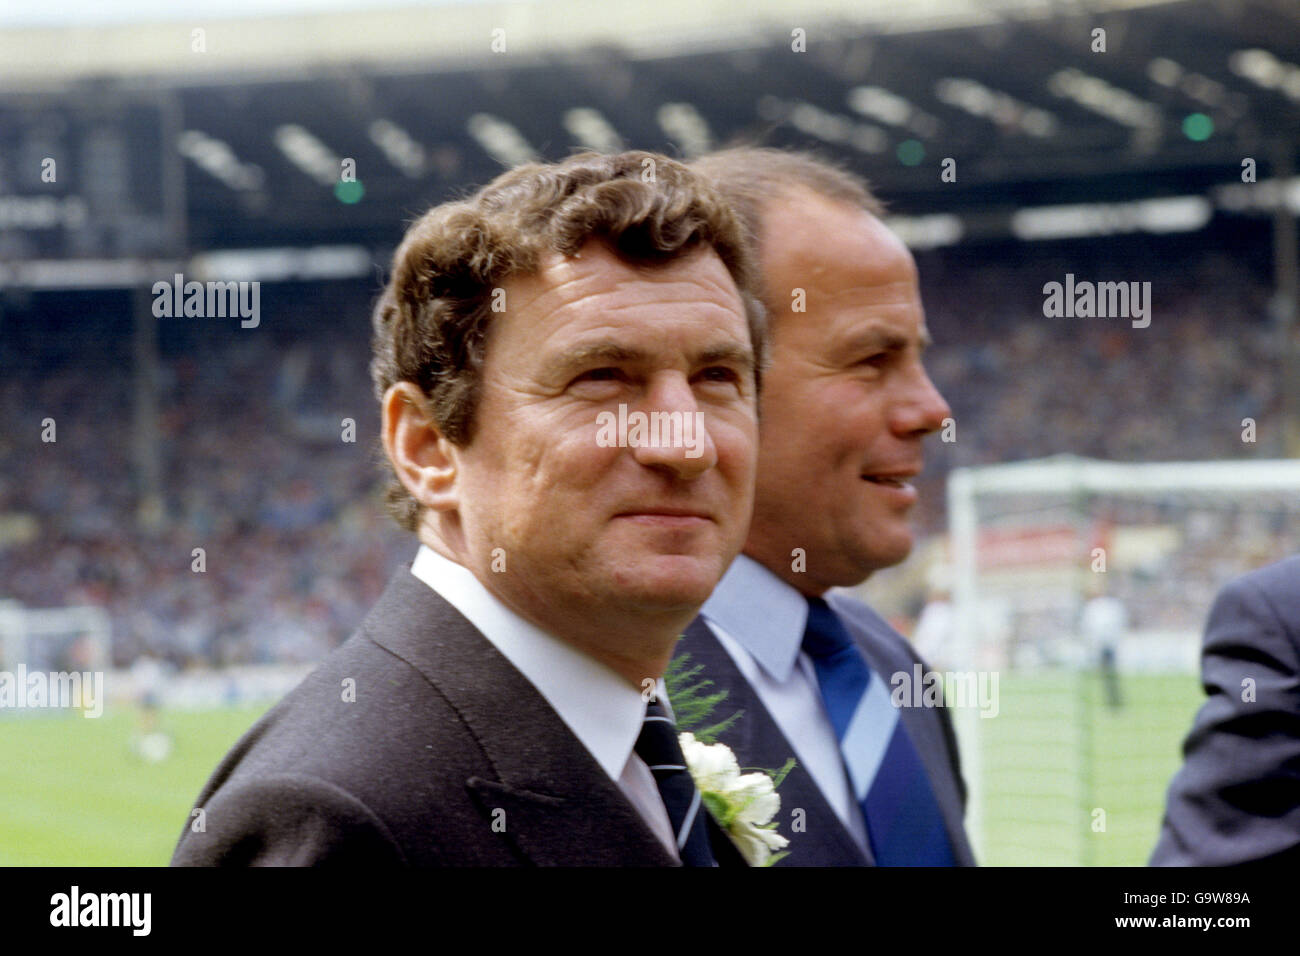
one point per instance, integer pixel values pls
(549, 799)
(758, 742)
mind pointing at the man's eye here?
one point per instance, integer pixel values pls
(600, 375)
(720, 373)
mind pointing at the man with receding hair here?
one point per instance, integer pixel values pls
(490, 710)
(845, 406)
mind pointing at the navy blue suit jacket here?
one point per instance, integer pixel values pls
(758, 742)
(1236, 798)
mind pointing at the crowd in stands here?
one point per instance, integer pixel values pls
(1025, 386)
(254, 470)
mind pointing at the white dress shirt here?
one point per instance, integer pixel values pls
(602, 709)
(760, 620)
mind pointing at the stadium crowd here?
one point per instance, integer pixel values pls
(256, 471)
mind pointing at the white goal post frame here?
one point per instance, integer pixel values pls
(19, 625)
(1070, 476)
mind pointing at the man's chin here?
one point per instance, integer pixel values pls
(881, 553)
(670, 582)
(848, 562)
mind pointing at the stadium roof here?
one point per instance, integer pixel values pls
(67, 38)
(1014, 92)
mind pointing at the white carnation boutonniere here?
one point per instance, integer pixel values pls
(743, 804)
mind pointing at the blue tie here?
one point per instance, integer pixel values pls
(903, 820)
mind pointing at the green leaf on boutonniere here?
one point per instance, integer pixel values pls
(743, 804)
(776, 775)
(718, 808)
(691, 703)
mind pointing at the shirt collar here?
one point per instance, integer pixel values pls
(602, 709)
(764, 614)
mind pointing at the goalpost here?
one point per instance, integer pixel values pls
(62, 639)
(1074, 767)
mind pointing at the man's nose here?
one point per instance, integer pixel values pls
(920, 408)
(675, 437)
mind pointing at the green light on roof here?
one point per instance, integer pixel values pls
(1198, 127)
(349, 192)
(910, 152)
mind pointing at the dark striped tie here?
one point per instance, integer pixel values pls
(904, 823)
(658, 747)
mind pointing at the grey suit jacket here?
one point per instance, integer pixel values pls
(758, 741)
(447, 757)
(1236, 799)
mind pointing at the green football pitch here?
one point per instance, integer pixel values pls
(73, 792)
(1070, 781)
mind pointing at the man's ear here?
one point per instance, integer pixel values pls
(421, 456)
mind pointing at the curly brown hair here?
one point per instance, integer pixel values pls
(431, 322)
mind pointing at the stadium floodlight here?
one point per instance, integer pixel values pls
(979, 100)
(1199, 87)
(1202, 88)
(684, 125)
(1160, 215)
(590, 128)
(1265, 70)
(1164, 71)
(1263, 196)
(820, 123)
(501, 140)
(215, 157)
(308, 153)
(1030, 545)
(878, 103)
(824, 125)
(398, 146)
(927, 232)
(283, 264)
(1095, 94)
(42, 212)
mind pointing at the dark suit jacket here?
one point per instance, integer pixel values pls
(1236, 798)
(447, 757)
(758, 742)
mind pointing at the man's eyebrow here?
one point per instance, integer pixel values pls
(594, 354)
(609, 352)
(888, 339)
(736, 354)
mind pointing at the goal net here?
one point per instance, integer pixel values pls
(1081, 588)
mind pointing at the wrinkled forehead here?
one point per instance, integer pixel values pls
(597, 269)
(596, 303)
